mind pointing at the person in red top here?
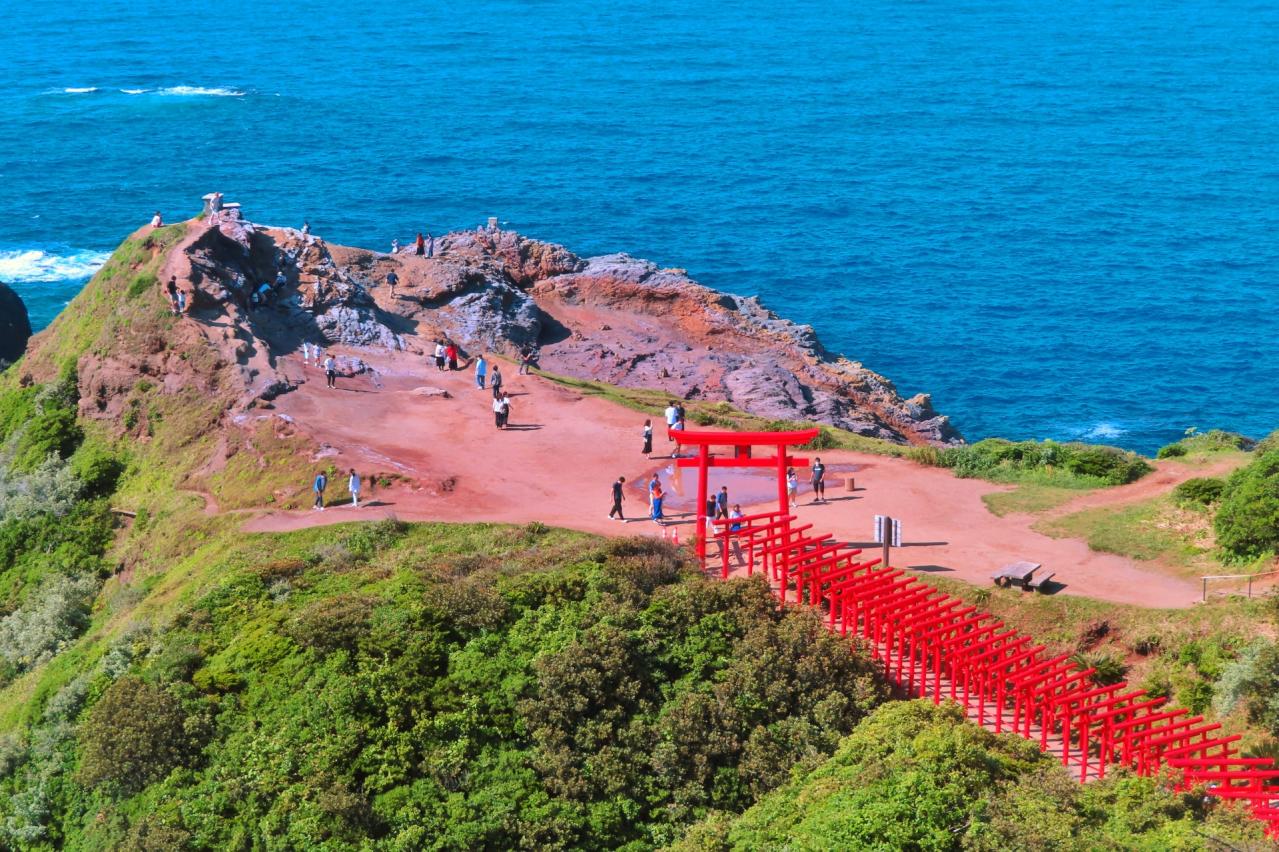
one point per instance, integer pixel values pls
(421, 244)
(450, 352)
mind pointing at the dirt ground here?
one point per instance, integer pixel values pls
(556, 461)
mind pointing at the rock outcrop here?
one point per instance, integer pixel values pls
(15, 325)
(616, 319)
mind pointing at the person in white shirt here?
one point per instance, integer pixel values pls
(672, 417)
(440, 353)
(330, 371)
(157, 221)
(354, 485)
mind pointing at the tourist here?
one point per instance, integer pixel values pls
(391, 280)
(321, 482)
(721, 503)
(496, 381)
(330, 371)
(679, 413)
(655, 496)
(504, 410)
(157, 221)
(353, 484)
(317, 355)
(527, 357)
(215, 204)
(420, 243)
(450, 352)
(792, 485)
(736, 527)
(819, 480)
(481, 370)
(395, 246)
(306, 229)
(439, 356)
(675, 430)
(182, 303)
(430, 245)
(619, 496)
(263, 294)
(672, 416)
(648, 439)
(172, 287)
(281, 279)
(306, 354)
(653, 483)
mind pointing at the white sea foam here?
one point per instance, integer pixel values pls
(34, 265)
(81, 90)
(1105, 431)
(200, 90)
(135, 91)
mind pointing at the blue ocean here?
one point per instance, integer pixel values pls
(1061, 220)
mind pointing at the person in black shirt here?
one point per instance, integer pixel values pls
(391, 280)
(618, 497)
(819, 480)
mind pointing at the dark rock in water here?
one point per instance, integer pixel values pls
(15, 326)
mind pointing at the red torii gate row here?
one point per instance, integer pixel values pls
(931, 644)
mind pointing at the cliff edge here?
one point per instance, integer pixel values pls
(15, 325)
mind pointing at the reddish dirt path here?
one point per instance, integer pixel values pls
(558, 462)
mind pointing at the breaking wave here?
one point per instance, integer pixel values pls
(35, 265)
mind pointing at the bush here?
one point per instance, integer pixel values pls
(54, 615)
(1247, 521)
(1000, 460)
(1214, 441)
(1199, 491)
(1267, 444)
(1172, 451)
(97, 467)
(135, 734)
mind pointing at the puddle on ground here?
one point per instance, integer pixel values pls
(748, 486)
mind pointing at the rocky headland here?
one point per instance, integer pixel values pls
(614, 319)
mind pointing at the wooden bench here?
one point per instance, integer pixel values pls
(1016, 574)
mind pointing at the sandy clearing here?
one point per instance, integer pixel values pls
(557, 463)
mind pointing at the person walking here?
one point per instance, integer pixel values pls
(391, 280)
(439, 356)
(675, 430)
(430, 245)
(672, 417)
(172, 287)
(792, 485)
(819, 481)
(648, 439)
(420, 244)
(734, 528)
(496, 381)
(497, 412)
(481, 370)
(330, 371)
(504, 411)
(306, 354)
(721, 503)
(353, 485)
(619, 496)
(450, 352)
(656, 495)
(321, 482)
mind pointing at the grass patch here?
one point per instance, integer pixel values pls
(1028, 499)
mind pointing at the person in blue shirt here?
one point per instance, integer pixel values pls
(481, 370)
(321, 482)
(391, 280)
(721, 503)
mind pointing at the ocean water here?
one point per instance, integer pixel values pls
(1060, 220)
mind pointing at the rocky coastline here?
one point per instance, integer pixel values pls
(614, 319)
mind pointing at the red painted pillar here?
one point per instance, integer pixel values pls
(703, 465)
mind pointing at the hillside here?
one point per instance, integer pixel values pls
(189, 660)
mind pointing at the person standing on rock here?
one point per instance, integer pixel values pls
(306, 230)
(157, 221)
(391, 280)
(330, 371)
(648, 439)
(450, 352)
(353, 485)
(420, 244)
(496, 382)
(439, 356)
(430, 245)
(321, 482)
(819, 481)
(481, 370)
(395, 246)
(619, 495)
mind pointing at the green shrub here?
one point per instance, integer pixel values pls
(1172, 451)
(1199, 491)
(136, 734)
(925, 455)
(1247, 520)
(95, 465)
(1267, 444)
(1001, 460)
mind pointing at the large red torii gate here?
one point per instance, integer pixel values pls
(742, 444)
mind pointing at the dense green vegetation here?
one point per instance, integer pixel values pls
(433, 687)
(1247, 520)
(1205, 443)
(914, 776)
(1068, 465)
